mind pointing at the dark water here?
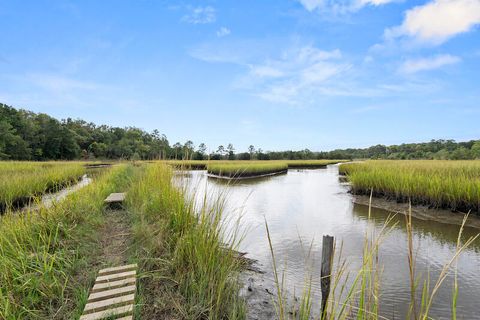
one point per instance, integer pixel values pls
(303, 205)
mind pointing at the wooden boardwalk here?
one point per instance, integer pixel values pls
(113, 295)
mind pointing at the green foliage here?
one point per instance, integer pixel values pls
(450, 184)
(435, 149)
(181, 247)
(45, 255)
(246, 169)
(475, 151)
(25, 135)
(237, 169)
(23, 180)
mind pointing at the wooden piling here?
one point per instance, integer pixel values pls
(326, 272)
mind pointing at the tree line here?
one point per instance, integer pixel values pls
(25, 135)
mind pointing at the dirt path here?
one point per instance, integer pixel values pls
(115, 238)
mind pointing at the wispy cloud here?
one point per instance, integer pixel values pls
(59, 83)
(437, 21)
(430, 63)
(266, 71)
(341, 7)
(223, 31)
(239, 51)
(296, 75)
(200, 15)
(300, 74)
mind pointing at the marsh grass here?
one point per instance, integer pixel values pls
(436, 183)
(248, 169)
(239, 169)
(21, 181)
(46, 255)
(307, 164)
(242, 165)
(185, 252)
(356, 295)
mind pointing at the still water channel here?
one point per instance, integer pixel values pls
(303, 205)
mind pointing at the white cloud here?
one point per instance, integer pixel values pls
(266, 71)
(368, 59)
(223, 31)
(311, 5)
(341, 6)
(200, 15)
(296, 75)
(58, 83)
(375, 2)
(438, 20)
(416, 65)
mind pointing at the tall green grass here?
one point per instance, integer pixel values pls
(437, 183)
(311, 163)
(46, 256)
(238, 169)
(356, 294)
(247, 169)
(204, 164)
(19, 181)
(189, 274)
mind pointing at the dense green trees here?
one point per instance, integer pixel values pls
(25, 135)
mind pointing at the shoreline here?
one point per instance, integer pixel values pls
(211, 175)
(420, 212)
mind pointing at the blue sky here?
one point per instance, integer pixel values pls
(317, 74)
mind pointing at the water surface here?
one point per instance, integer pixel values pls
(303, 205)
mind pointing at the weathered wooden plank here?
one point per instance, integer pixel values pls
(112, 293)
(115, 197)
(113, 285)
(116, 276)
(113, 270)
(109, 303)
(326, 271)
(120, 311)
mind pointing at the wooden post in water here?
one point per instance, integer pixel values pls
(326, 272)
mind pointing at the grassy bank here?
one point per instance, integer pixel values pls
(46, 256)
(20, 181)
(189, 164)
(240, 169)
(247, 169)
(292, 164)
(357, 294)
(203, 164)
(187, 272)
(436, 183)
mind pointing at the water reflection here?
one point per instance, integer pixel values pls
(303, 205)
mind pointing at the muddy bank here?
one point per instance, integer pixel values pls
(258, 293)
(419, 211)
